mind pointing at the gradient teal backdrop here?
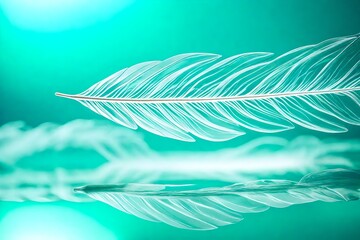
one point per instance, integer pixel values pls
(68, 51)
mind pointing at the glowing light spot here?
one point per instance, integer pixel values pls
(59, 15)
(50, 222)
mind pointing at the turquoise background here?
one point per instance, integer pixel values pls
(38, 60)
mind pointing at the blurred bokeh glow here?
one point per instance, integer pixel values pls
(59, 15)
(50, 222)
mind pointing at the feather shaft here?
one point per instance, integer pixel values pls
(219, 99)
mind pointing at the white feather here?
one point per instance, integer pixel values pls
(196, 208)
(217, 99)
